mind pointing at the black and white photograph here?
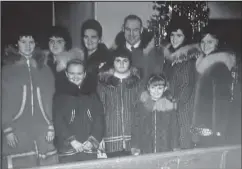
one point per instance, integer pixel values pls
(120, 84)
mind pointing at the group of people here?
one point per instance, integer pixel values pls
(68, 104)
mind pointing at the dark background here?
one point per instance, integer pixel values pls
(17, 15)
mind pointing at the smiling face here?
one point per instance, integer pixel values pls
(177, 38)
(57, 45)
(132, 31)
(91, 39)
(75, 74)
(156, 91)
(26, 45)
(121, 65)
(209, 44)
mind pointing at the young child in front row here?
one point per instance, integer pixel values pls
(154, 126)
(78, 118)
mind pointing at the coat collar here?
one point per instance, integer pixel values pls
(108, 78)
(184, 53)
(204, 63)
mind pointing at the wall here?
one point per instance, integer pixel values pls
(111, 14)
(72, 15)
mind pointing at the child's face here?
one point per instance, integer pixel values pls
(121, 65)
(156, 91)
(75, 74)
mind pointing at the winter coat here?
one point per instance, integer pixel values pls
(154, 130)
(76, 116)
(27, 91)
(99, 61)
(180, 70)
(148, 59)
(212, 106)
(118, 98)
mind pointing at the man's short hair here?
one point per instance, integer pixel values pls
(133, 17)
(76, 62)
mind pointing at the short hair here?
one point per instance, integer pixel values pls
(61, 32)
(92, 24)
(133, 17)
(25, 31)
(157, 80)
(76, 62)
(182, 23)
(123, 53)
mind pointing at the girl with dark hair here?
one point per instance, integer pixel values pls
(180, 70)
(97, 55)
(212, 106)
(27, 91)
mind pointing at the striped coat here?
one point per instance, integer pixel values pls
(118, 98)
(182, 80)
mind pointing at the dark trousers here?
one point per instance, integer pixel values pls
(77, 157)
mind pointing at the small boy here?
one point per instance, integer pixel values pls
(78, 118)
(119, 90)
(154, 126)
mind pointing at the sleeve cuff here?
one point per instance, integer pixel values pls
(70, 139)
(94, 142)
(8, 130)
(51, 128)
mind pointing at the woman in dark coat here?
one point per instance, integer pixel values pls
(97, 55)
(212, 106)
(78, 118)
(180, 70)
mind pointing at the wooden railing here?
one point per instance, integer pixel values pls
(209, 158)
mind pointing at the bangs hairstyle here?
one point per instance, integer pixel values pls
(61, 32)
(123, 53)
(157, 80)
(76, 62)
(28, 32)
(182, 23)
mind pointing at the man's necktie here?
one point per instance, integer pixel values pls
(132, 48)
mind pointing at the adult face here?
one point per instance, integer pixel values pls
(75, 74)
(91, 39)
(156, 91)
(209, 44)
(177, 38)
(121, 65)
(26, 45)
(132, 31)
(57, 45)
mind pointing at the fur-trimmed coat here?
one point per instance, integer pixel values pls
(212, 106)
(154, 124)
(118, 98)
(147, 58)
(180, 71)
(27, 91)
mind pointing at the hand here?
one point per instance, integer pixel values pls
(135, 151)
(77, 145)
(87, 145)
(50, 136)
(12, 140)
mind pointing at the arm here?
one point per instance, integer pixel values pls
(61, 106)
(187, 84)
(98, 125)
